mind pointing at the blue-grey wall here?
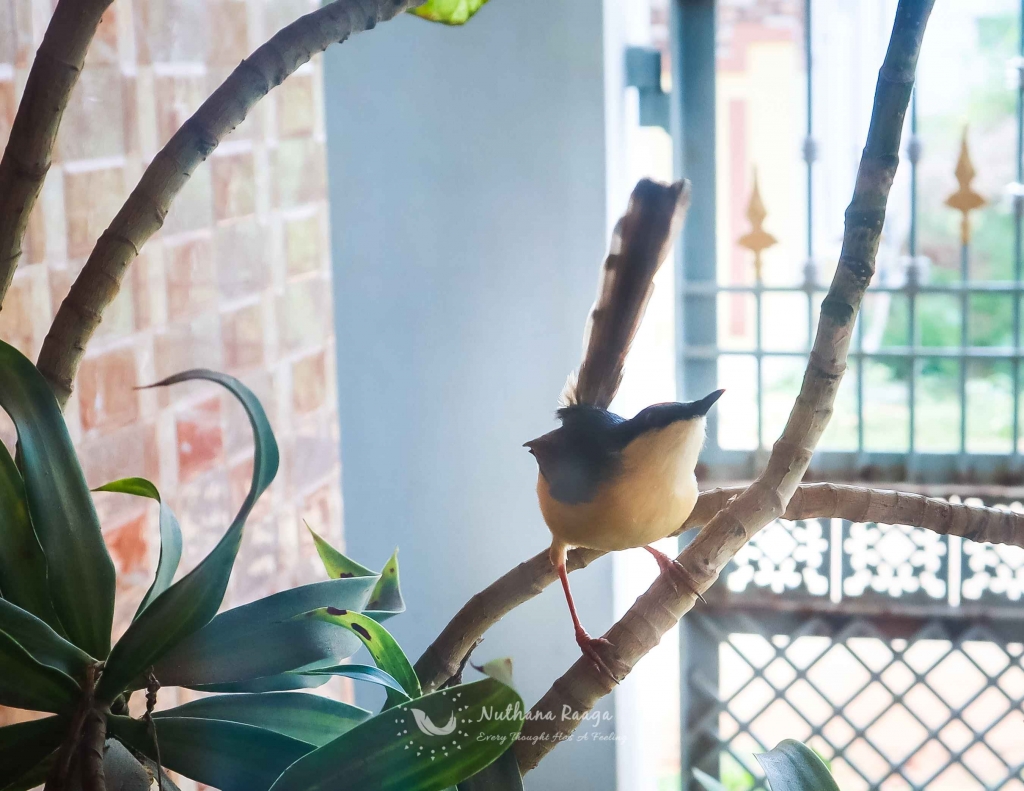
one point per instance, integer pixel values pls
(468, 211)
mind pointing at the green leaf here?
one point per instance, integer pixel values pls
(707, 782)
(41, 642)
(793, 766)
(80, 571)
(22, 562)
(191, 603)
(337, 565)
(28, 684)
(264, 639)
(34, 777)
(502, 775)
(386, 652)
(368, 673)
(27, 744)
(387, 595)
(448, 12)
(170, 536)
(226, 755)
(309, 718)
(472, 725)
(279, 683)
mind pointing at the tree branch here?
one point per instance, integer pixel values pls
(143, 213)
(664, 603)
(444, 656)
(26, 160)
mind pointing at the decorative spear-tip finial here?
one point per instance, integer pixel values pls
(965, 199)
(757, 240)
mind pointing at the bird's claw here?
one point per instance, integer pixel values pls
(589, 646)
(673, 567)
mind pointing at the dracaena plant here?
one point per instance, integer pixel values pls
(254, 731)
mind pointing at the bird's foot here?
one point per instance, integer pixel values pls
(589, 646)
(675, 569)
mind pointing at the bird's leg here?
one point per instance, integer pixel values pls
(675, 568)
(586, 643)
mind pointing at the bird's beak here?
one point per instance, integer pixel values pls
(703, 406)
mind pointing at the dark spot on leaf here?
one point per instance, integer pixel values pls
(336, 611)
(373, 604)
(361, 631)
(345, 575)
(371, 23)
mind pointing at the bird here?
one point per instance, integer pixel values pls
(606, 482)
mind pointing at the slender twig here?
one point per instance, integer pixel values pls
(26, 160)
(811, 501)
(143, 213)
(94, 734)
(664, 603)
(152, 688)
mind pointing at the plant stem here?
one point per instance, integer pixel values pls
(143, 213)
(26, 160)
(664, 603)
(94, 734)
(58, 777)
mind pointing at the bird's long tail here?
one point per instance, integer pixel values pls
(641, 242)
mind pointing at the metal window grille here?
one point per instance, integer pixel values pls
(897, 654)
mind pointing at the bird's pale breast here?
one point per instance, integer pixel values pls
(648, 500)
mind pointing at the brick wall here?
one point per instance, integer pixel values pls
(238, 280)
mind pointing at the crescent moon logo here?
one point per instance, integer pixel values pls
(424, 723)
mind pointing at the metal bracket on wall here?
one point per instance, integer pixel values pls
(643, 72)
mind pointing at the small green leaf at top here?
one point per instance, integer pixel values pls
(793, 766)
(448, 12)
(170, 535)
(337, 565)
(387, 594)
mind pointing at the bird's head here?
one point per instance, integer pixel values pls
(658, 416)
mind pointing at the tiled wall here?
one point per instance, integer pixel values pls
(238, 280)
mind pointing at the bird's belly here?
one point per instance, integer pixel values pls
(631, 511)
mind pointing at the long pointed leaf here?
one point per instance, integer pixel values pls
(386, 652)
(308, 718)
(502, 775)
(337, 565)
(263, 639)
(41, 642)
(28, 684)
(387, 594)
(226, 755)
(448, 12)
(428, 744)
(282, 682)
(170, 536)
(80, 571)
(191, 603)
(25, 745)
(793, 766)
(367, 673)
(23, 577)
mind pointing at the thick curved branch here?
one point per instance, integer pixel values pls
(667, 600)
(143, 213)
(444, 656)
(55, 70)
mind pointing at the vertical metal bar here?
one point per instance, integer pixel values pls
(1018, 233)
(759, 360)
(692, 28)
(964, 338)
(913, 154)
(693, 31)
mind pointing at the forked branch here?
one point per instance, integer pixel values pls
(26, 160)
(143, 213)
(664, 603)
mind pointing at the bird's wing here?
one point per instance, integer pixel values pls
(641, 242)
